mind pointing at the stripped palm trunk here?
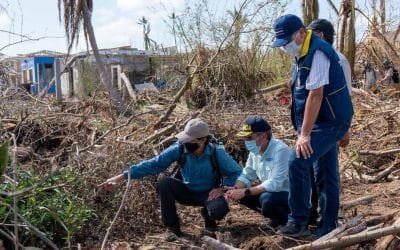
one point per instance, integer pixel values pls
(310, 11)
(77, 15)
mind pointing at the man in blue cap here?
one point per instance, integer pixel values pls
(321, 114)
(268, 162)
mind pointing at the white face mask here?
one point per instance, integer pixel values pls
(292, 49)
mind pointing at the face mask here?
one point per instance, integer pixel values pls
(191, 147)
(292, 49)
(252, 146)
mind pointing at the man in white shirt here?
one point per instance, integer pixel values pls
(321, 113)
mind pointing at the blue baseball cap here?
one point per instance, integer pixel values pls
(253, 125)
(284, 27)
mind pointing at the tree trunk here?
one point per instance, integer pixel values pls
(310, 11)
(382, 10)
(104, 74)
(350, 49)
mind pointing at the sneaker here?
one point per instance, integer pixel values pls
(293, 230)
(274, 225)
(172, 234)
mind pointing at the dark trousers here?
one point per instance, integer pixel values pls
(273, 205)
(170, 190)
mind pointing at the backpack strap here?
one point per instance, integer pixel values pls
(218, 181)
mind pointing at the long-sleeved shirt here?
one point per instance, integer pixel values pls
(197, 172)
(270, 167)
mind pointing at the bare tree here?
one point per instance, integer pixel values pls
(382, 14)
(347, 34)
(238, 27)
(78, 15)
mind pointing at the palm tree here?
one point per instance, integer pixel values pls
(173, 17)
(77, 16)
(146, 30)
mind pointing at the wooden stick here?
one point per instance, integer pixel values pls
(387, 171)
(350, 240)
(359, 201)
(212, 244)
(128, 184)
(380, 152)
(351, 223)
(273, 87)
(384, 242)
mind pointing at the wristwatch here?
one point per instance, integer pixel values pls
(247, 192)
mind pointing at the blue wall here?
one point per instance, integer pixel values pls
(35, 63)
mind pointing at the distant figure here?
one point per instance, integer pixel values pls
(370, 76)
(391, 78)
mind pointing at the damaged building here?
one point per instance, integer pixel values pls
(128, 67)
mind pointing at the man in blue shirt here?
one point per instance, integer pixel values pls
(197, 184)
(268, 161)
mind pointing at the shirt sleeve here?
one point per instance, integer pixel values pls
(344, 63)
(279, 173)
(154, 165)
(319, 72)
(229, 168)
(248, 174)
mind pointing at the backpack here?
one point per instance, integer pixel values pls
(218, 181)
(395, 76)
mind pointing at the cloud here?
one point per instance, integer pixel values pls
(118, 32)
(140, 6)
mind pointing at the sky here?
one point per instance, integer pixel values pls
(114, 21)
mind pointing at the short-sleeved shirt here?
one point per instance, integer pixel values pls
(319, 72)
(271, 167)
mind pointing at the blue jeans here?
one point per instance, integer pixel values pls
(324, 144)
(170, 190)
(273, 205)
(325, 186)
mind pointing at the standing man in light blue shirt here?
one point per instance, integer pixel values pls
(205, 170)
(268, 161)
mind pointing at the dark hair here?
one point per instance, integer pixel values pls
(324, 26)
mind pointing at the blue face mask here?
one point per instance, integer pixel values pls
(252, 146)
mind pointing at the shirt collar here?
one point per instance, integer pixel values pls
(270, 146)
(306, 44)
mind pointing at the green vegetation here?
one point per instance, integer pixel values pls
(48, 206)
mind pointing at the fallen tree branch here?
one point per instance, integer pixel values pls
(273, 87)
(384, 242)
(387, 171)
(350, 240)
(380, 152)
(351, 223)
(212, 243)
(359, 201)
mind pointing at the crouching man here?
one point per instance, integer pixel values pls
(268, 162)
(205, 168)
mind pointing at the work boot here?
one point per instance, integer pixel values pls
(172, 234)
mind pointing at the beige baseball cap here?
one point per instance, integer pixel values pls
(194, 129)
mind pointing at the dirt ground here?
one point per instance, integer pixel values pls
(84, 135)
